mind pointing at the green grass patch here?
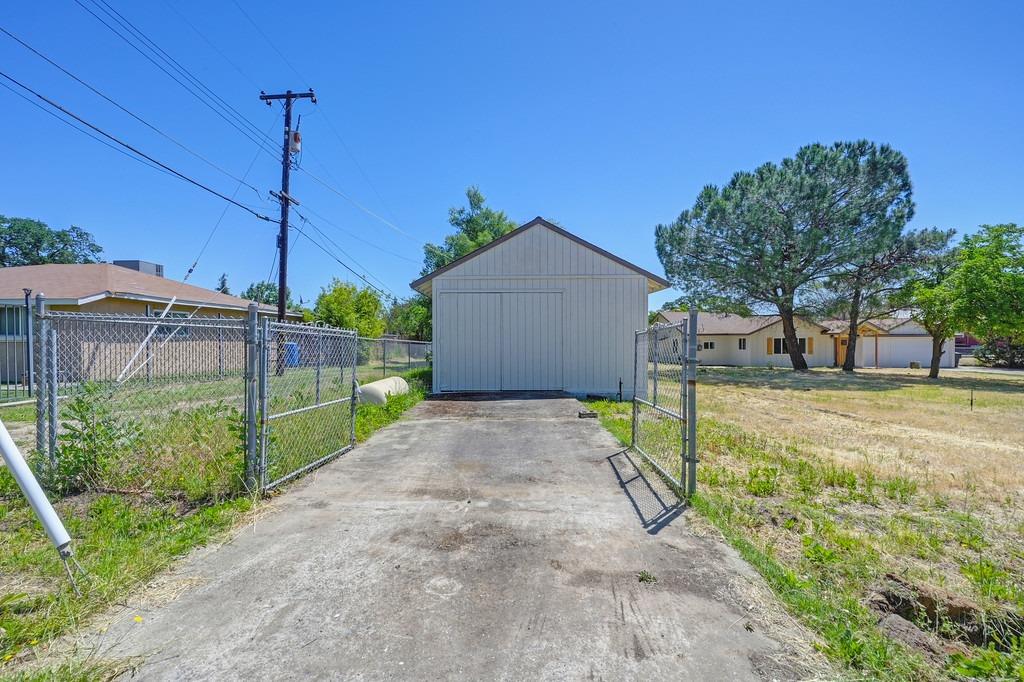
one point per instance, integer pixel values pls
(120, 541)
(185, 472)
(835, 532)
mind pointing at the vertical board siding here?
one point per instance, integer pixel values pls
(540, 312)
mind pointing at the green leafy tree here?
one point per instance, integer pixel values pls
(931, 297)
(989, 283)
(866, 288)
(222, 284)
(768, 236)
(345, 305)
(711, 305)
(410, 318)
(266, 293)
(24, 241)
(475, 225)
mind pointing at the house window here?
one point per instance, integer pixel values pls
(173, 330)
(782, 347)
(743, 344)
(708, 345)
(12, 321)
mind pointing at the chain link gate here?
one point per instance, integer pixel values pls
(665, 400)
(306, 383)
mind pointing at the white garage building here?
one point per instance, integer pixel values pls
(538, 309)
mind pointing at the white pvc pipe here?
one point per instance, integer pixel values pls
(146, 340)
(34, 493)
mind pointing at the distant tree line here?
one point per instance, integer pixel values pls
(824, 234)
(24, 241)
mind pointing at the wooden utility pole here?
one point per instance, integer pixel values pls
(284, 197)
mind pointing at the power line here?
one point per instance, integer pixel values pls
(355, 161)
(358, 205)
(213, 45)
(204, 99)
(167, 58)
(112, 138)
(271, 43)
(125, 110)
(339, 261)
(337, 134)
(216, 225)
(82, 130)
(357, 237)
(307, 221)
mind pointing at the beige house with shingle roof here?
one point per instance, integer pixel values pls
(108, 288)
(756, 341)
(100, 288)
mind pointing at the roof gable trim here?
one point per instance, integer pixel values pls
(554, 228)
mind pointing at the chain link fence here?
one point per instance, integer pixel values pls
(141, 403)
(384, 357)
(197, 406)
(664, 401)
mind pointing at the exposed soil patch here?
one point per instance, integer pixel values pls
(952, 617)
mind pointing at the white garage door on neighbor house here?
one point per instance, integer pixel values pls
(538, 309)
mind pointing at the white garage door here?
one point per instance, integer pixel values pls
(501, 341)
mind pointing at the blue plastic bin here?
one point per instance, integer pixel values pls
(291, 354)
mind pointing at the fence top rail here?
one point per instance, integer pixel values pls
(149, 320)
(659, 326)
(306, 328)
(390, 339)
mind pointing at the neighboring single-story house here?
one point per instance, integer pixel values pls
(123, 289)
(757, 340)
(727, 339)
(129, 288)
(537, 309)
(889, 342)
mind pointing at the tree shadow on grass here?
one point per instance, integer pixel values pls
(654, 502)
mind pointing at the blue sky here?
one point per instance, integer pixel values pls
(606, 117)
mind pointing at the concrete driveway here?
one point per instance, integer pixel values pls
(474, 539)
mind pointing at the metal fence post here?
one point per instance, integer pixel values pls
(29, 349)
(252, 352)
(41, 394)
(691, 402)
(355, 386)
(683, 425)
(319, 359)
(657, 343)
(149, 350)
(220, 349)
(384, 356)
(264, 366)
(52, 385)
(408, 354)
(636, 361)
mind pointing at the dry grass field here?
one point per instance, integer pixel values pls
(886, 512)
(897, 422)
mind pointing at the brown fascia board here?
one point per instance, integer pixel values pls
(554, 228)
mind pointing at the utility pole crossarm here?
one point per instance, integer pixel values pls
(289, 95)
(283, 196)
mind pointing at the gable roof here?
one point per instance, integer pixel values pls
(882, 324)
(729, 324)
(77, 284)
(654, 282)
